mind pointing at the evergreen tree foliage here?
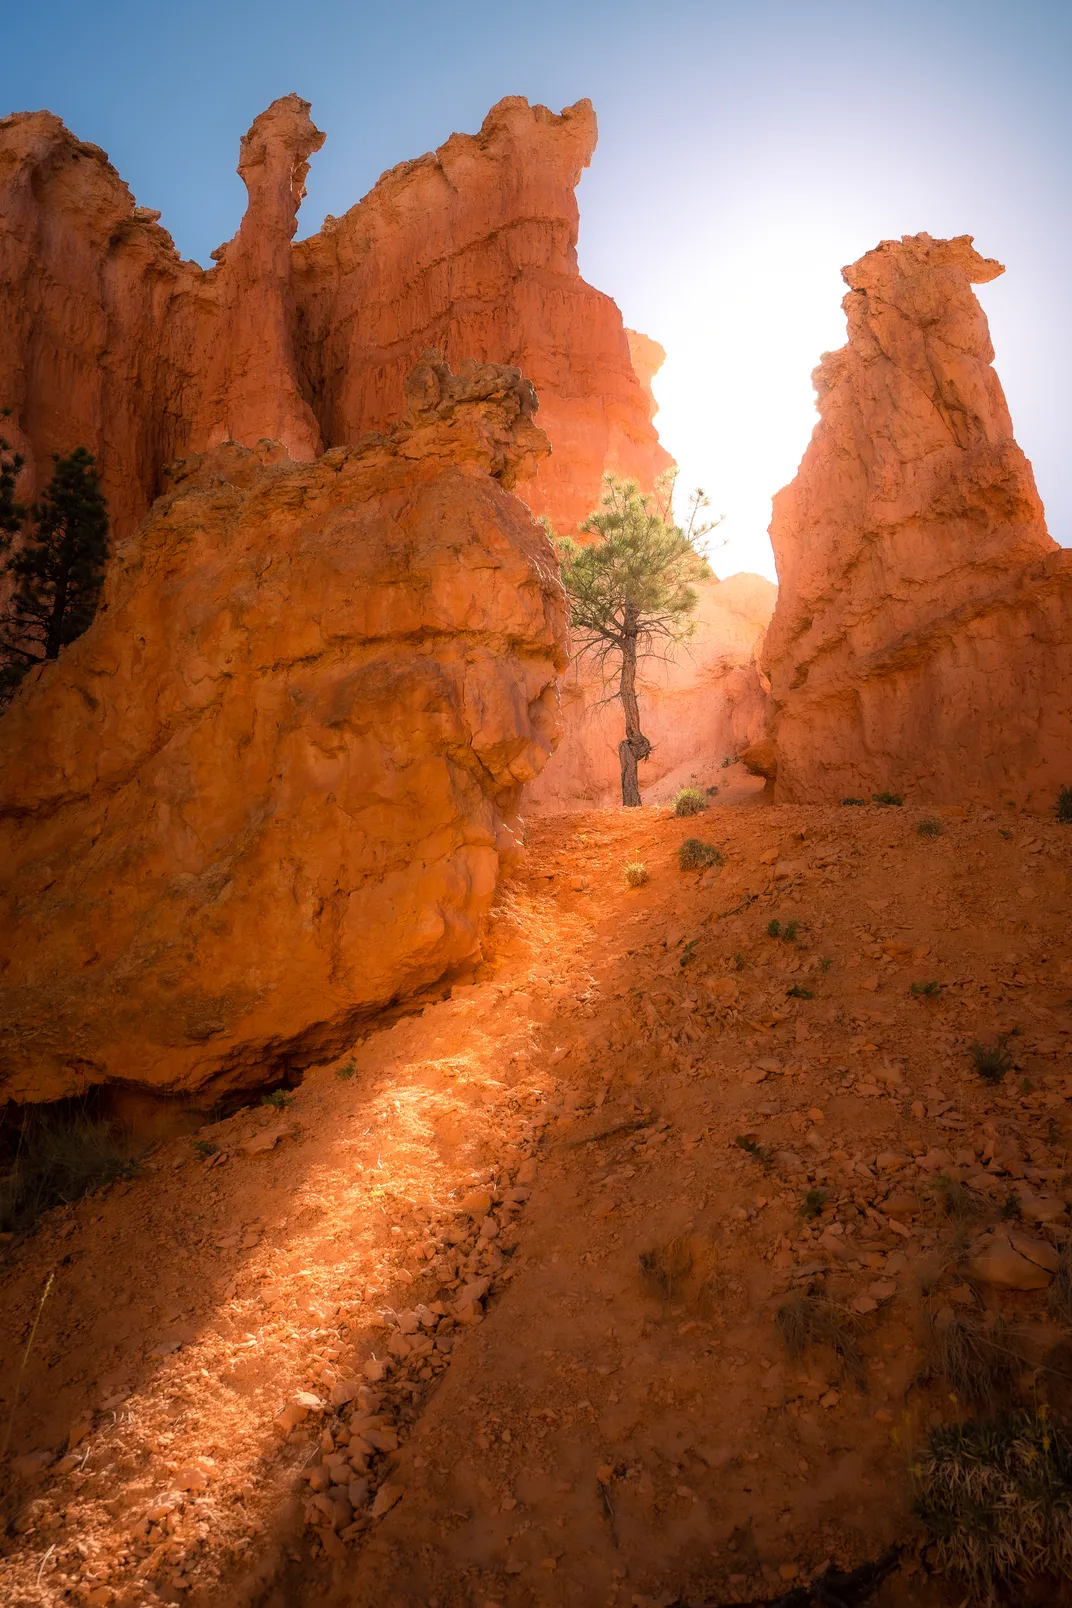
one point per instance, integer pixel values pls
(58, 572)
(12, 513)
(631, 590)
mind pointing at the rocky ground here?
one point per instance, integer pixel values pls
(636, 1272)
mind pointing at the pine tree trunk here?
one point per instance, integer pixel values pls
(635, 745)
(54, 628)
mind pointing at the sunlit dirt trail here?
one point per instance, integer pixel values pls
(488, 1314)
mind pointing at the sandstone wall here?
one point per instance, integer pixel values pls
(267, 793)
(113, 342)
(922, 638)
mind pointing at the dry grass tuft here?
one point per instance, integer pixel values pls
(807, 1320)
(997, 1500)
(690, 801)
(1059, 1295)
(636, 873)
(666, 1267)
(979, 1360)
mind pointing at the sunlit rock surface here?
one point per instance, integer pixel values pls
(267, 793)
(922, 639)
(111, 341)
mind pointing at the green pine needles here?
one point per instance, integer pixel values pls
(57, 572)
(631, 591)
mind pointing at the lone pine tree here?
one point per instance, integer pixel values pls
(58, 572)
(631, 590)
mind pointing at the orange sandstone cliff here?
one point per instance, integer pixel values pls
(267, 793)
(113, 342)
(922, 638)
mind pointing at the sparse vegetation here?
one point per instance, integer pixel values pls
(347, 1070)
(991, 1061)
(667, 1266)
(203, 1148)
(728, 761)
(279, 1098)
(826, 963)
(738, 961)
(930, 826)
(978, 1360)
(928, 990)
(796, 992)
(636, 873)
(806, 1321)
(753, 1148)
(689, 801)
(997, 1500)
(848, 801)
(889, 800)
(813, 1203)
(1059, 1295)
(1063, 806)
(59, 1155)
(788, 932)
(693, 855)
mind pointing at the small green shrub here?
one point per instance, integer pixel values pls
(928, 990)
(796, 992)
(711, 791)
(889, 799)
(788, 932)
(636, 873)
(347, 1070)
(279, 1098)
(813, 1203)
(930, 826)
(753, 1148)
(991, 1061)
(738, 961)
(692, 855)
(996, 1497)
(826, 963)
(727, 762)
(690, 801)
(1063, 807)
(203, 1148)
(847, 801)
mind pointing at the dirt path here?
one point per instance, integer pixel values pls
(488, 1314)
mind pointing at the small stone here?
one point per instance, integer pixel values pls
(1002, 1265)
(789, 1571)
(386, 1498)
(343, 1391)
(375, 1371)
(863, 1304)
(754, 1074)
(882, 1289)
(830, 1399)
(358, 1493)
(191, 1478)
(604, 1474)
(478, 1204)
(266, 1140)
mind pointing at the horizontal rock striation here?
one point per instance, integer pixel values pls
(267, 793)
(922, 639)
(114, 343)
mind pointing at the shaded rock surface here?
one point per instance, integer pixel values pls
(114, 342)
(267, 793)
(922, 640)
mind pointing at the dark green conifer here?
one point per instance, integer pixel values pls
(58, 573)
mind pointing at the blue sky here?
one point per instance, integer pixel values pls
(746, 153)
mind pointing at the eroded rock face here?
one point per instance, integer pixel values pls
(267, 793)
(705, 704)
(112, 342)
(922, 640)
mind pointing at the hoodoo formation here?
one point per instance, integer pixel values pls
(422, 1184)
(267, 793)
(922, 638)
(115, 342)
